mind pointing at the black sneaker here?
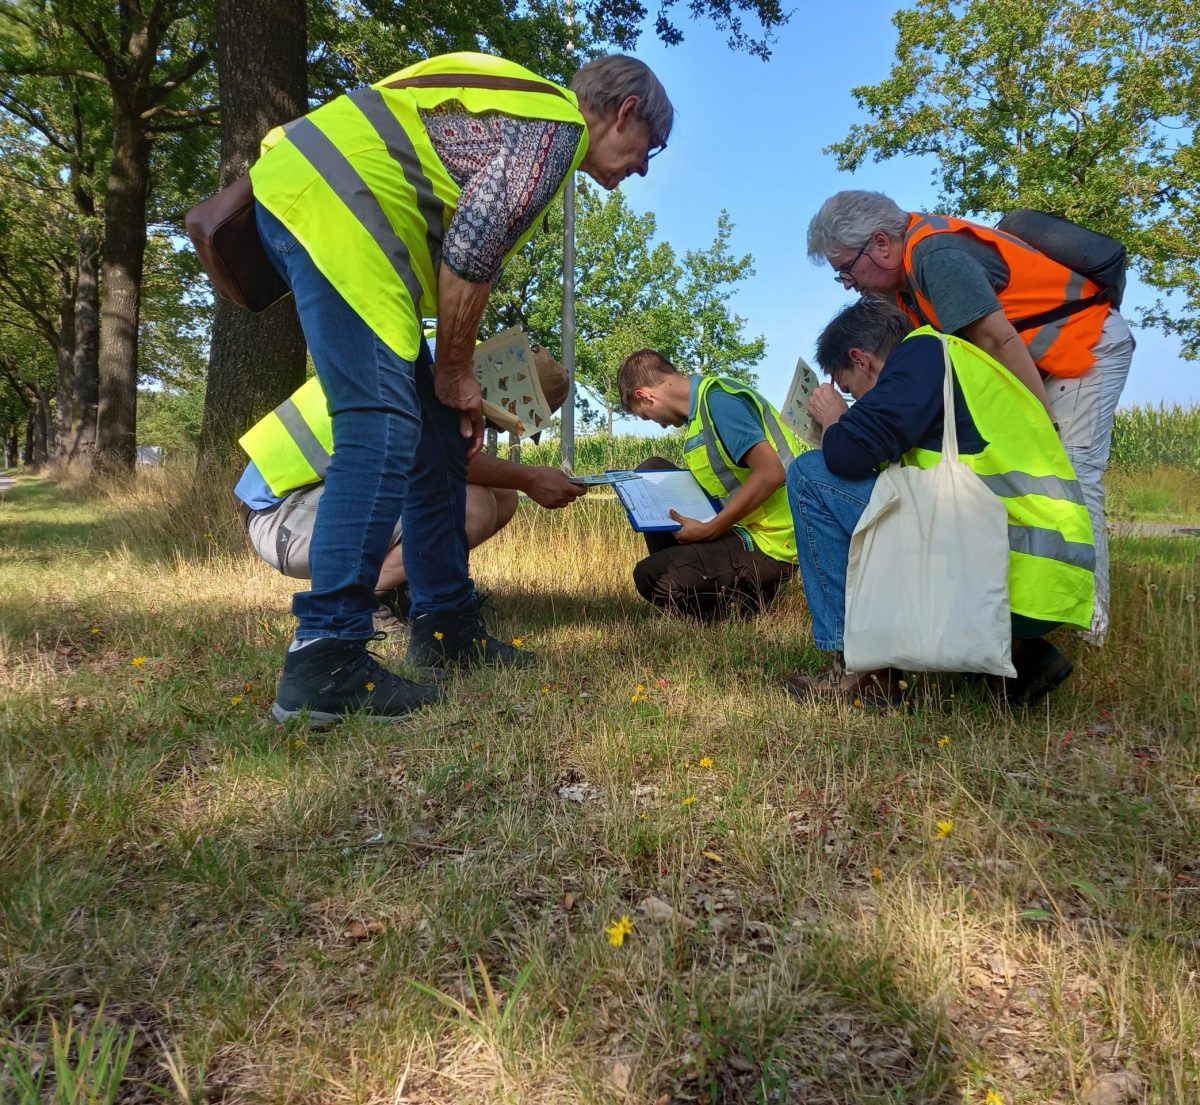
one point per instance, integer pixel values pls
(328, 679)
(396, 601)
(1040, 669)
(461, 639)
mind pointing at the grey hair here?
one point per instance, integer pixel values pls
(870, 323)
(603, 83)
(848, 219)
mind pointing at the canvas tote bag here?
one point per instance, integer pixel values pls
(927, 582)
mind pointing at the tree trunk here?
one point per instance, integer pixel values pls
(43, 423)
(121, 289)
(10, 446)
(255, 361)
(27, 452)
(65, 381)
(81, 450)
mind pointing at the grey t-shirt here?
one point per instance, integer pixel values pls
(960, 277)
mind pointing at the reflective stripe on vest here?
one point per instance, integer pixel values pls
(770, 525)
(357, 182)
(292, 445)
(1036, 284)
(1051, 544)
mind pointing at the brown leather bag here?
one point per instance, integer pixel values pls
(226, 240)
(223, 230)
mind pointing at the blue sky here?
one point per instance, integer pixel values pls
(748, 137)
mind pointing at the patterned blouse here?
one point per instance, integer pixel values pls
(508, 170)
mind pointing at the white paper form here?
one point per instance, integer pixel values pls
(650, 499)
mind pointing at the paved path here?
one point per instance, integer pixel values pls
(1153, 529)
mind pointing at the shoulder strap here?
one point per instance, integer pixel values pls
(1054, 314)
(475, 80)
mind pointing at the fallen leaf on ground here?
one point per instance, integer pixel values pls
(619, 1075)
(1114, 1088)
(568, 900)
(660, 912)
(356, 930)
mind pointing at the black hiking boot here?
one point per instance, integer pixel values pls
(328, 679)
(1040, 669)
(459, 639)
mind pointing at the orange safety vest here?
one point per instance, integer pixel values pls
(1036, 284)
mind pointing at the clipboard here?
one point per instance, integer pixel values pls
(648, 497)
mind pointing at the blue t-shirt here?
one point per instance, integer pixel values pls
(734, 419)
(903, 410)
(252, 489)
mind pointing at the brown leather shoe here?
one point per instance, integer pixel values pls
(882, 689)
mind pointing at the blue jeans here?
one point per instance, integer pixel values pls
(398, 453)
(825, 510)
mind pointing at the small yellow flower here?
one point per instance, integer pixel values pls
(704, 761)
(944, 828)
(643, 817)
(236, 700)
(518, 642)
(618, 930)
(95, 631)
(137, 661)
(857, 703)
(634, 698)
(438, 634)
(993, 1098)
(545, 690)
(877, 872)
(370, 686)
(476, 746)
(298, 742)
(943, 741)
(247, 688)
(639, 688)
(690, 800)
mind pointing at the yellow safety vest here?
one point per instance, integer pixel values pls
(769, 525)
(359, 185)
(1052, 553)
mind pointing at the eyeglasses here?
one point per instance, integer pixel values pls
(652, 154)
(845, 276)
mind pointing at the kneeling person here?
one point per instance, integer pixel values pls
(896, 375)
(280, 527)
(738, 448)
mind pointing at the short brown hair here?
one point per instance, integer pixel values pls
(642, 369)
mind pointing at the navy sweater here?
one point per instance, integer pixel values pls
(902, 410)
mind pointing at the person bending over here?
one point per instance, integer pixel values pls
(1046, 324)
(896, 376)
(738, 448)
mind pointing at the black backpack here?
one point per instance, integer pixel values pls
(1097, 256)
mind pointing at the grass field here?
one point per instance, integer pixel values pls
(949, 904)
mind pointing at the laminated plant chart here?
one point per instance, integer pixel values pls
(795, 406)
(508, 377)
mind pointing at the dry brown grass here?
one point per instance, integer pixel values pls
(417, 915)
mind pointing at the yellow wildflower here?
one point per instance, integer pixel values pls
(618, 930)
(877, 872)
(95, 630)
(518, 642)
(704, 761)
(690, 800)
(438, 634)
(137, 661)
(943, 741)
(545, 690)
(944, 828)
(993, 1098)
(370, 686)
(236, 700)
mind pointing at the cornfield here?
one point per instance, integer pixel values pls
(1151, 437)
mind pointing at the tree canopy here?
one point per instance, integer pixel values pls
(1084, 108)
